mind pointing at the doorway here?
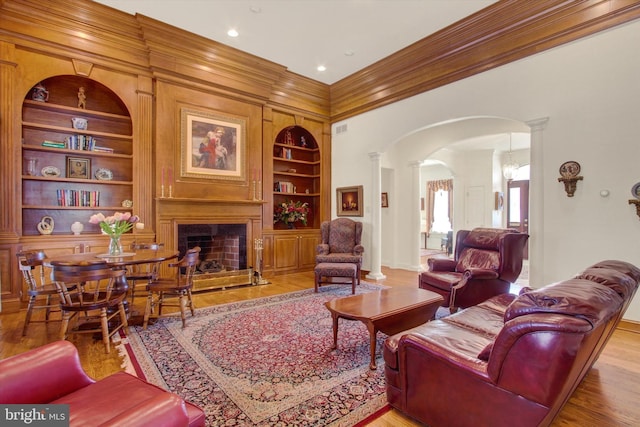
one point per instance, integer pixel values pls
(518, 208)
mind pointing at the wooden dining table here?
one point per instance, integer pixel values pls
(126, 259)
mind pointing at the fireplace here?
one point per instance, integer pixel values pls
(223, 247)
(186, 222)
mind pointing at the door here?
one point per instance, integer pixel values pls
(518, 208)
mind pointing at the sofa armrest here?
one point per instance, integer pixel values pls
(42, 375)
(441, 264)
(164, 410)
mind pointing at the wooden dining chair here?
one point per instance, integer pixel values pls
(140, 275)
(89, 299)
(179, 286)
(42, 292)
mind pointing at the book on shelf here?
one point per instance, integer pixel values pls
(54, 144)
(81, 142)
(285, 153)
(102, 149)
(284, 187)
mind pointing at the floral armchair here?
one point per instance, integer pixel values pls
(341, 243)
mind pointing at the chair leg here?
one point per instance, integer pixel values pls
(190, 302)
(66, 316)
(353, 285)
(104, 325)
(183, 303)
(27, 319)
(123, 317)
(147, 310)
(316, 283)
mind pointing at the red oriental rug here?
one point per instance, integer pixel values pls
(266, 361)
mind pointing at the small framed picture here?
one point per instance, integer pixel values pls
(385, 200)
(499, 201)
(349, 201)
(78, 167)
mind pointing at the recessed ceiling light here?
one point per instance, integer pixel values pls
(232, 33)
(349, 53)
(321, 68)
(255, 9)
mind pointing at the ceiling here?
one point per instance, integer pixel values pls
(343, 35)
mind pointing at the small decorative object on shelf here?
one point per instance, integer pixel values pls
(127, 203)
(45, 226)
(82, 98)
(569, 176)
(77, 228)
(115, 226)
(40, 93)
(79, 123)
(32, 164)
(291, 212)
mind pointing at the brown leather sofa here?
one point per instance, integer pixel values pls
(512, 360)
(52, 374)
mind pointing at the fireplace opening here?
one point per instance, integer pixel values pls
(223, 247)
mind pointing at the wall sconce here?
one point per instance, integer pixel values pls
(569, 176)
(635, 192)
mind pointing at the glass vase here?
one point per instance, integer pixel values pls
(115, 246)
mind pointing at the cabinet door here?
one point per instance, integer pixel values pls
(286, 252)
(307, 254)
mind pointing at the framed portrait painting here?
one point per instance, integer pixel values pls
(78, 167)
(213, 146)
(349, 201)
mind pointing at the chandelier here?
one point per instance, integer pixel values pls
(510, 168)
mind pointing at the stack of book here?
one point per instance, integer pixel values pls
(78, 198)
(284, 187)
(81, 142)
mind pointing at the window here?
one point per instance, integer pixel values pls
(441, 221)
(440, 206)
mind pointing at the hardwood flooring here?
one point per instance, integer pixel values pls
(607, 397)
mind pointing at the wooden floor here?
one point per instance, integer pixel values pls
(608, 396)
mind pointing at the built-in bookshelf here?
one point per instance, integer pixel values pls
(76, 161)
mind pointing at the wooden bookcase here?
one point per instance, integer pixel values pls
(104, 150)
(296, 172)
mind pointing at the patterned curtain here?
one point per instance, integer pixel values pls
(432, 188)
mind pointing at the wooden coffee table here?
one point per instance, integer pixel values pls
(389, 311)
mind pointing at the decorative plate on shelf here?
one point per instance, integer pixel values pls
(104, 174)
(50, 171)
(570, 169)
(635, 190)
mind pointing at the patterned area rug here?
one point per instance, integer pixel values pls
(266, 362)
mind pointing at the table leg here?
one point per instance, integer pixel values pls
(372, 338)
(334, 316)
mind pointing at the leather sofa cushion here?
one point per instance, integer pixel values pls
(478, 258)
(621, 266)
(442, 279)
(574, 297)
(622, 283)
(99, 402)
(485, 238)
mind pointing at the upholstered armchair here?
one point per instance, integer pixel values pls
(341, 243)
(486, 262)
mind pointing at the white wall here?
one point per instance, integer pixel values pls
(588, 89)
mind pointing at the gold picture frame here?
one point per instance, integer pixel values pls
(349, 201)
(213, 145)
(78, 167)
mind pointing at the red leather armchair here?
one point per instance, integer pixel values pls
(487, 261)
(53, 374)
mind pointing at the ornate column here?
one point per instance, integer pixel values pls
(414, 205)
(376, 222)
(536, 201)
(11, 164)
